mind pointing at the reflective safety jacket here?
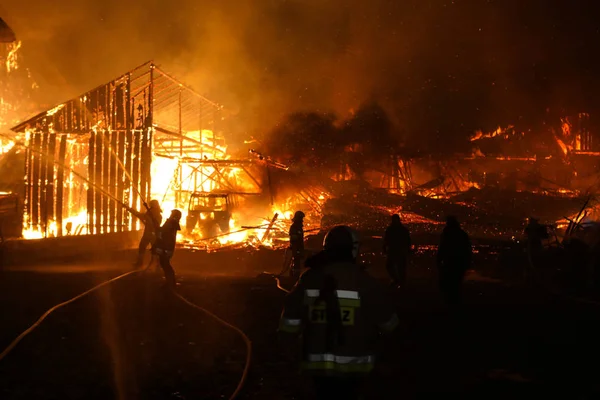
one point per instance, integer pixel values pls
(364, 311)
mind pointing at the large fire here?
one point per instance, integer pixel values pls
(194, 175)
(226, 199)
(175, 181)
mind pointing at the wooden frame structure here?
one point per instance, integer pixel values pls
(94, 152)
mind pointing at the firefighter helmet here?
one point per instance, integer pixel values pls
(342, 238)
(298, 216)
(154, 204)
(176, 215)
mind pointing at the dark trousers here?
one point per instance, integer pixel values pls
(296, 262)
(164, 261)
(331, 387)
(145, 241)
(396, 268)
(451, 280)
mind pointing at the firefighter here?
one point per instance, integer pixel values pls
(165, 246)
(453, 259)
(297, 243)
(396, 246)
(535, 233)
(339, 310)
(152, 219)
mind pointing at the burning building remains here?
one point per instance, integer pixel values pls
(146, 135)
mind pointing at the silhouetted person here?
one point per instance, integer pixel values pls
(453, 259)
(535, 233)
(152, 219)
(164, 246)
(69, 227)
(297, 242)
(396, 246)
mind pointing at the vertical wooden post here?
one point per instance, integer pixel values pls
(129, 167)
(114, 167)
(149, 129)
(120, 176)
(135, 185)
(50, 175)
(143, 163)
(60, 183)
(128, 150)
(98, 181)
(200, 129)
(92, 178)
(180, 179)
(69, 116)
(214, 133)
(28, 169)
(106, 157)
(146, 163)
(44, 184)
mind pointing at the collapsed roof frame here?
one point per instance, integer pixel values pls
(118, 123)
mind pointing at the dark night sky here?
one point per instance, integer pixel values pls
(440, 68)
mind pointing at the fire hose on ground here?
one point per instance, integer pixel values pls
(37, 323)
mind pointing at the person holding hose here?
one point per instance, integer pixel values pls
(339, 310)
(152, 219)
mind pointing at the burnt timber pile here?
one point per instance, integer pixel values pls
(85, 160)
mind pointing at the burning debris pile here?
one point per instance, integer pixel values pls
(145, 135)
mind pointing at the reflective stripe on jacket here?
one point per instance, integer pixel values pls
(364, 312)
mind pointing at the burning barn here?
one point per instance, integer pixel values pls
(142, 135)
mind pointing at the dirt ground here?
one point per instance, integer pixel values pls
(136, 341)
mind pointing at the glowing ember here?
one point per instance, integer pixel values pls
(479, 134)
(11, 58)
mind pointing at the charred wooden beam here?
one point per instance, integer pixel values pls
(60, 183)
(106, 157)
(144, 162)
(128, 151)
(268, 231)
(136, 174)
(50, 182)
(28, 181)
(92, 178)
(113, 168)
(44, 183)
(120, 177)
(98, 181)
(183, 137)
(129, 167)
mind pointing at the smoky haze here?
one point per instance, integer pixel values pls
(440, 69)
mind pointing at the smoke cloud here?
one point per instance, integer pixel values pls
(439, 68)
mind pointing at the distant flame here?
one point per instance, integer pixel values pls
(11, 58)
(479, 134)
